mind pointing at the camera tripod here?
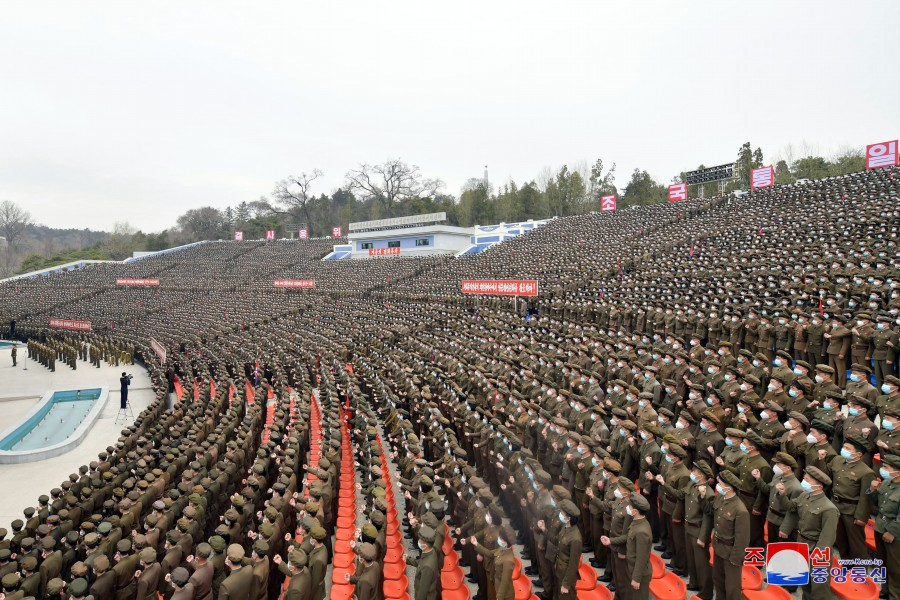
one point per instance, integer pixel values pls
(125, 413)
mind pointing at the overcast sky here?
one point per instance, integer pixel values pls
(116, 111)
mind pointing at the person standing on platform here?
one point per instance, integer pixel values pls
(14, 351)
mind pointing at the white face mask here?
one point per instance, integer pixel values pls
(629, 511)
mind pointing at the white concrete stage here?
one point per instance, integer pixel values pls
(21, 389)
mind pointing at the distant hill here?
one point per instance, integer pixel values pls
(41, 244)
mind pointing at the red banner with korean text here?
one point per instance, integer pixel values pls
(137, 282)
(501, 287)
(306, 284)
(881, 155)
(158, 349)
(607, 203)
(677, 192)
(67, 324)
(762, 178)
(383, 251)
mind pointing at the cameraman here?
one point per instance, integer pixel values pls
(125, 381)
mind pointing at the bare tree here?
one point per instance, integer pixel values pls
(293, 192)
(391, 183)
(13, 221)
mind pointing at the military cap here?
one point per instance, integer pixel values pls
(29, 512)
(892, 380)
(232, 515)
(217, 543)
(261, 547)
(298, 557)
(100, 564)
(369, 531)
(17, 524)
(3, 532)
(785, 459)
(123, 546)
(711, 417)
(891, 459)
(858, 442)
(860, 400)
(180, 576)
(703, 467)
(79, 569)
(774, 406)
(666, 412)
(318, 533)
(824, 369)
(367, 551)
(542, 477)
(148, 555)
(569, 508)
(785, 355)
(104, 527)
(159, 505)
(625, 483)
(639, 502)
(29, 563)
(677, 451)
(629, 425)
(730, 479)
(799, 417)
(79, 587)
(91, 539)
(48, 543)
(426, 534)
(687, 417)
(377, 517)
(55, 586)
(818, 475)
(612, 465)
(620, 412)
(651, 428)
(822, 427)
(235, 553)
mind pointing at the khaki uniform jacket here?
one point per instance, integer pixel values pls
(237, 586)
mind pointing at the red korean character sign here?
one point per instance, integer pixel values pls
(303, 234)
(335, 232)
(677, 192)
(238, 236)
(762, 178)
(608, 203)
(881, 155)
(270, 234)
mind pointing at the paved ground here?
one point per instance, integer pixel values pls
(21, 389)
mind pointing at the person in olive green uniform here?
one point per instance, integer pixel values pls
(300, 586)
(783, 469)
(638, 543)
(851, 478)
(318, 562)
(731, 527)
(885, 495)
(427, 570)
(569, 553)
(815, 518)
(367, 582)
(885, 344)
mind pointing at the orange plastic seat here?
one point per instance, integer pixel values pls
(522, 587)
(771, 592)
(343, 591)
(870, 535)
(393, 570)
(587, 577)
(751, 578)
(868, 590)
(342, 560)
(658, 564)
(395, 588)
(461, 593)
(668, 587)
(600, 592)
(451, 580)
